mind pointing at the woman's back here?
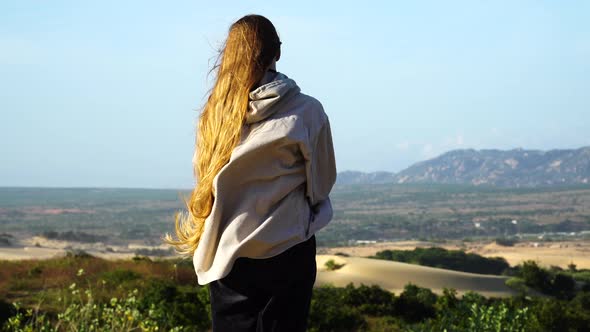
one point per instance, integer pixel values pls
(262, 206)
(264, 164)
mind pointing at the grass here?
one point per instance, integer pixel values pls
(28, 281)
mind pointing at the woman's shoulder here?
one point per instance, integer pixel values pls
(306, 110)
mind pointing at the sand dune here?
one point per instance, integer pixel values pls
(546, 253)
(393, 276)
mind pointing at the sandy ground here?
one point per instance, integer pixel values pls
(393, 276)
(40, 248)
(546, 253)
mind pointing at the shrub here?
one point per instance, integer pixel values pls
(499, 318)
(327, 312)
(563, 286)
(415, 303)
(331, 265)
(185, 306)
(556, 283)
(78, 253)
(119, 276)
(518, 285)
(83, 314)
(448, 259)
(506, 242)
(369, 300)
(534, 276)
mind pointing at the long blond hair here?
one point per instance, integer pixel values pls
(251, 45)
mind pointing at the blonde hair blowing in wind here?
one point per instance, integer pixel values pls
(251, 45)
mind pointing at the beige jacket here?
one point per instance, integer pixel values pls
(273, 193)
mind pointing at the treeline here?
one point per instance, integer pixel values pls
(456, 260)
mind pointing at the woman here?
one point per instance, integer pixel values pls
(264, 164)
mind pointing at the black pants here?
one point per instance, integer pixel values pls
(271, 294)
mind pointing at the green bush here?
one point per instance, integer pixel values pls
(506, 241)
(184, 306)
(169, 301)
(456, 260)
(534, 276)
(369, 300)
(517, 284)
(328, 314)
(331, 265)
(415, 303)
(551, 282)
(84, 314)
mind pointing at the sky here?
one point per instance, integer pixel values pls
(107, 93)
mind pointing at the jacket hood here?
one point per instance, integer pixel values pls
(275, 87)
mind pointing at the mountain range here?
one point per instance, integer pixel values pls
(502, 168)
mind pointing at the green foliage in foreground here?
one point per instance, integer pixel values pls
(89, 294)
(83, 314)
(161, 306)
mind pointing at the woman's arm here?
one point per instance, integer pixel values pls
(320, 165)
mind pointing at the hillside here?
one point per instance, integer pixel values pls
(504, 168)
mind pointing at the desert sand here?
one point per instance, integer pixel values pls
(393, 276)
(37, 247)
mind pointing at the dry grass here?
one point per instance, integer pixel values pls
(25, 280)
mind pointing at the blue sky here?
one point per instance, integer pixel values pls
(107, 93)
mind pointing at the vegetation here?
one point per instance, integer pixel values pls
(73, 236)
(435, 211)
(331, 265)
(554, 282)
(83, 293)
(456, 260)
(361, 212)
(506, 241)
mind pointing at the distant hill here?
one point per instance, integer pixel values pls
(511, 168)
